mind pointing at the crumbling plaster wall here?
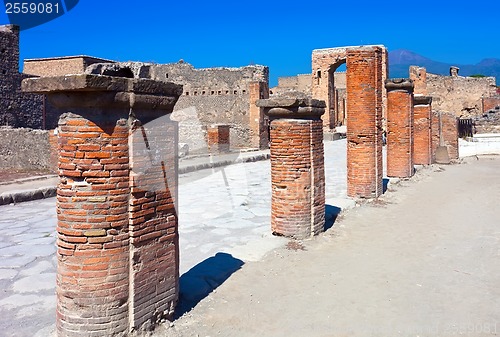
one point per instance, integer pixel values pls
(459, 95)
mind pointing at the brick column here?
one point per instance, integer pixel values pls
(422, 111)
(435, 133)
(364, 115)
(444, 137)
(117, 239)
(399, 127)
(258, 129)
(297, 166)
(218, 138)
(449, 133)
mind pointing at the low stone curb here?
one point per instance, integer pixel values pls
(27, 195)
(204, 166)
(48, 192)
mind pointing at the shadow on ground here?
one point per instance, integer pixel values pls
(385, 184)
(203, 278)
(331, 214)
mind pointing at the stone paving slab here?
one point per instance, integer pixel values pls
(224, 214)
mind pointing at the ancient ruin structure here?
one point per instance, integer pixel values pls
(60, 66)
(444, 137)
(221, 96)
(302, 83)
(364, 120)
(297, 166)
(422, 111)
(218, 136)
(117, 222)
(400, 128)
(17, 109)
(462, 96)
(324, 64)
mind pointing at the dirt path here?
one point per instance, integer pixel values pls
(422, 261)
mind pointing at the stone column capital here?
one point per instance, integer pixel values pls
(292, 107)
(404, 84)
(422, 100)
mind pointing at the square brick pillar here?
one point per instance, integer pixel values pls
(218, 138)
(258, 127)
(399, 127)
(449, 133)
(297, 166)
(422, 111)
(117, 244)
(435, 133)
(364, 122)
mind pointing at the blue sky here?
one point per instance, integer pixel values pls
(279, 34)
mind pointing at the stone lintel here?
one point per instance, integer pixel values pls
(286, 107)
(93, 83)
(422, 100)
(87, 91)
(404, 84)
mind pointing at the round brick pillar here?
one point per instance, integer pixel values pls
(422, 143)
(399, 127)
(103, 209)
(364, 122)
(297, 166)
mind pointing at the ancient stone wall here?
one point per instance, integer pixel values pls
(491, 104)
(25, 149)
(364, 121)
(219, 95)
(459, 95)
(17, 109)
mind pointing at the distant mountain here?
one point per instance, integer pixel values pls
(401, 59)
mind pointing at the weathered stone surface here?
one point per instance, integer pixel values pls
(292, 107)
(459, 95)
(364, 121)
(324, 63)
(117, 243)
(422, 120)
(399, 84)
(400, 129)
(297, 166)
(17, 109)
(422, 100)
(85, 82)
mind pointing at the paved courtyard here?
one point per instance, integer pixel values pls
(222, 210)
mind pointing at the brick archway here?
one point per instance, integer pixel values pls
(324, 63)
(366, 103)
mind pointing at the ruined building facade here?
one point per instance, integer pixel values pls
(17, 109)
(462, 96)
(218, 96)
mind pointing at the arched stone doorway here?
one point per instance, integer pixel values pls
(365, 109)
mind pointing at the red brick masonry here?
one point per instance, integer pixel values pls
(297, 166)
(364, 122)
(422, 111)
(218, 138)
(399, 128)
(117, 224)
